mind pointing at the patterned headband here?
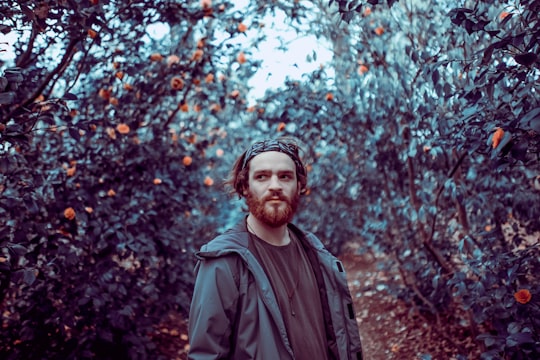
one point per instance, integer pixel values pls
(275, 145)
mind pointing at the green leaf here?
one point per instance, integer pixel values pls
(519, 339)
(74, 133)
(489, 340)
(70, 96)
(18, 249)
(29, 276)
(7, 98)
(526, 59)
(5, 266)
(531, 120)
(4, 29)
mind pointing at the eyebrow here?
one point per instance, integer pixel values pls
(277, 171)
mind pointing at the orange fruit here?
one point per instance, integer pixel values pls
(197, 55)
(242, 27)
(177, 83)
(192, 139)
(172, 59)
(379, 30)
(208, 181)
(92, 33)
(69, 213)
(241, 58)
(122, 128)
(523, 296)
(362, 69)
(187, 160)
(104, 93)
(156, 57)
(497, 137)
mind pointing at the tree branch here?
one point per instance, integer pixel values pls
(67, 55)
(441, 188)
(23, 60)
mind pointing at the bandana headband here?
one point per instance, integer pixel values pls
(274, 145)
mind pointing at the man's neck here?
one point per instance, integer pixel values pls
(278, 236)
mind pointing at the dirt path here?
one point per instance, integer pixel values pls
(379, 315)
(391, 330)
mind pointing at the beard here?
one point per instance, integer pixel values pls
(273, 215)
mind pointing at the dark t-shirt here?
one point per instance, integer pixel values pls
(297, 293)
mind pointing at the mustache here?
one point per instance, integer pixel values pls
(276, 196)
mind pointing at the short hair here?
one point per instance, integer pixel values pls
(239, 175)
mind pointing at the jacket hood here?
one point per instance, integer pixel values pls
(231, 241)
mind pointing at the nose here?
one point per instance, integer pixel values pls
(274, 184)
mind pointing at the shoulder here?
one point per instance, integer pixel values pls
(231, 241)
(308, 237)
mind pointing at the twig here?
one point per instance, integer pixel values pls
(45, 83)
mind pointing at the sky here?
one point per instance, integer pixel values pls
(276, 66)
(6, 46)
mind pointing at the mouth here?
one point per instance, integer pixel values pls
(274, 199)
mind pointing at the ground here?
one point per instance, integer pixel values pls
(390, 330)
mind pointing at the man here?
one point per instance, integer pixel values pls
(265, 289)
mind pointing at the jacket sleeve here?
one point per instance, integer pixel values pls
(213, 309)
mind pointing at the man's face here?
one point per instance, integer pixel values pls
(273, 190)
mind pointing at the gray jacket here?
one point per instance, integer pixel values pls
(234, 313)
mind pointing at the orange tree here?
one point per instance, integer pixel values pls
(111, 145)
(447, 124)
(109, 162)
(426, 151)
